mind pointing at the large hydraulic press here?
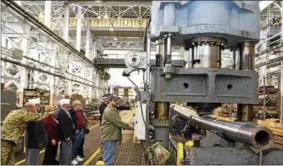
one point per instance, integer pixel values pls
(204, 29)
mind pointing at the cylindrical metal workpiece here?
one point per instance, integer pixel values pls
(241, 132)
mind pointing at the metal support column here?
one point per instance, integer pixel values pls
(87, 43)
(24, 71)
(161, 120)
(47, 13)
(70, 83)
(148, 59)
(52, 80)
(247, 58)
(66, 23)
(281, 75)
(66, 38)
(47, 22)
(79, 29)
(94, 49)
(87, 49)
(281, 92)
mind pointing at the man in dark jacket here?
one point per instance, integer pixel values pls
(102, 106)
(66, 132)
(122, 107)
(36, 138)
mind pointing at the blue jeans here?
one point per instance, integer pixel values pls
(76, 143)
(109, 148)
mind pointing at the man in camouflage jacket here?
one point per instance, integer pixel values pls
(13, 128)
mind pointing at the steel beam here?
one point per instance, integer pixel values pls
(56, 75)
(119, 63)
(270, 61)
(19, 10)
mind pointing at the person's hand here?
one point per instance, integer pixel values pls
(53, 142)
(87, 131)
(67, 139)
(119, 142)
(39, 145)
(131, 127)
(51, 113)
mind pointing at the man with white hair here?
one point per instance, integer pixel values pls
(13, 128)
(36, 137)
(66, 132)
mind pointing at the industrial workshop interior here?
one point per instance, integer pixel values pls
(141, 82)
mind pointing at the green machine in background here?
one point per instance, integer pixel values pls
(8, 103)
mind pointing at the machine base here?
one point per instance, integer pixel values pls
(231, 156)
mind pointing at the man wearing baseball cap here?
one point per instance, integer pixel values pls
(111, 130)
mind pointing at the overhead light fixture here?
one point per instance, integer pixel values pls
(97, 1)
(99, 17)
(119, 17)
(111, 29)
(115, 38)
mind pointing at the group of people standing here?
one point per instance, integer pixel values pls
(66, 125)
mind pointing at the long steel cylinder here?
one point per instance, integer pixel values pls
(241, 132)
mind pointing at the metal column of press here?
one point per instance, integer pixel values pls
(206, 52)
(161, 120)
(247, 58)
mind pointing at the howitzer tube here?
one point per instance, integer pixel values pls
(241, 132)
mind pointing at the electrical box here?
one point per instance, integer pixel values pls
(140, 121)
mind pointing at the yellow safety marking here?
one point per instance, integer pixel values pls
(276, 131)
(189, 143)
(22, 161)
(92, 157)
(93, 127)
(180, 153)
